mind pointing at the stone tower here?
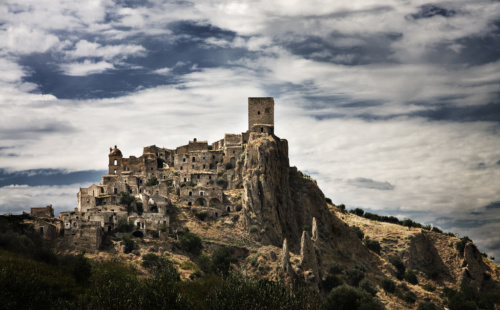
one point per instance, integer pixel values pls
(115, 160)
(261, 113)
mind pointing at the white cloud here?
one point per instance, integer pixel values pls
(25, 40)
(88, 49)
(86, 67)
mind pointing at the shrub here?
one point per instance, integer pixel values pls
(82, 269)
(124, 226)
(372, 216)
(222, 260)
(228, 166)
(150, 261)
(350, 298)
(222, 182)
(388, 285)
(410, 297)
(331, 282)
(127, 199)
(152, 181)
(358, 211)
(428, 305)
(128, 243)
(354, 276)
(436, 229)
(254, 229)
(190, 242)
(328, 200)
(373, 245)
(358, 232)
(411, 277)
(368, 287)
(205, 263)
(429, 287)
(400, 267)
(335, 269)
(341, 208)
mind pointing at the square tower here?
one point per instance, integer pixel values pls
(260, 111)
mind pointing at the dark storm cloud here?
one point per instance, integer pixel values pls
(50, 177)
(371, 184)
(345, 49)
(487, 112)
(33, 129)
(431, 10)
(493, 205)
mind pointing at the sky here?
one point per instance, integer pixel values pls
(392, 106)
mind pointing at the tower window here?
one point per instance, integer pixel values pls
(261, 129)
(258, 113)
(115, 162)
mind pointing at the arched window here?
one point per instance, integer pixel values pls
(115, 162)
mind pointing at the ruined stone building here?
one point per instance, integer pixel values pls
(195, 175)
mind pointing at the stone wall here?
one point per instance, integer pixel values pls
(260, 111)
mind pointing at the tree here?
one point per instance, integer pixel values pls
(124, 225)
(347, 297)
(127, 199)
(373, 245)
(400, 267)
(82, 269)
(190, 242)
(152, 181)
(222, 260)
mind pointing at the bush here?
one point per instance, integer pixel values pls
(350, 298)
(190, 242)
(341, 208)
(400, 267)
(82, 269)
(254, 229)
(354, 276)
(127, 199)
(358, 211)
(128, 243)
(373, 245)
(368, 287)
(228, 166)
(150, 261)
(436, 229)
(335, 269)
(371, 216)
(388, 285)
(411, 277)
(428, 305)
(410, 297)
(222, 260)
(152, 181)
(124, 225)
(205, 263)
(358, 232)
(222, 182)
(429, 287)
(331, 282)
(328, 200)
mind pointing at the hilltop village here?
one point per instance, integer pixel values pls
(194, 175)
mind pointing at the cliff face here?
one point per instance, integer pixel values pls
(279, 202)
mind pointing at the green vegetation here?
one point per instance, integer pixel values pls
(127, 199)
(128, 243)
(124, 226)
(358, 232)
(388, 285)
(152, 181)
(400, 267)
(228, 166)
(355, 275)
(347, 297)
(373, 245)
(190, 242)
(469, 298)
(428, 305)
(411, 277)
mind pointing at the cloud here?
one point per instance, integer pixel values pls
(493, 205)
(18, 198)
(25, 40)
(371, 184)
(87, 67)
(85, 49)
